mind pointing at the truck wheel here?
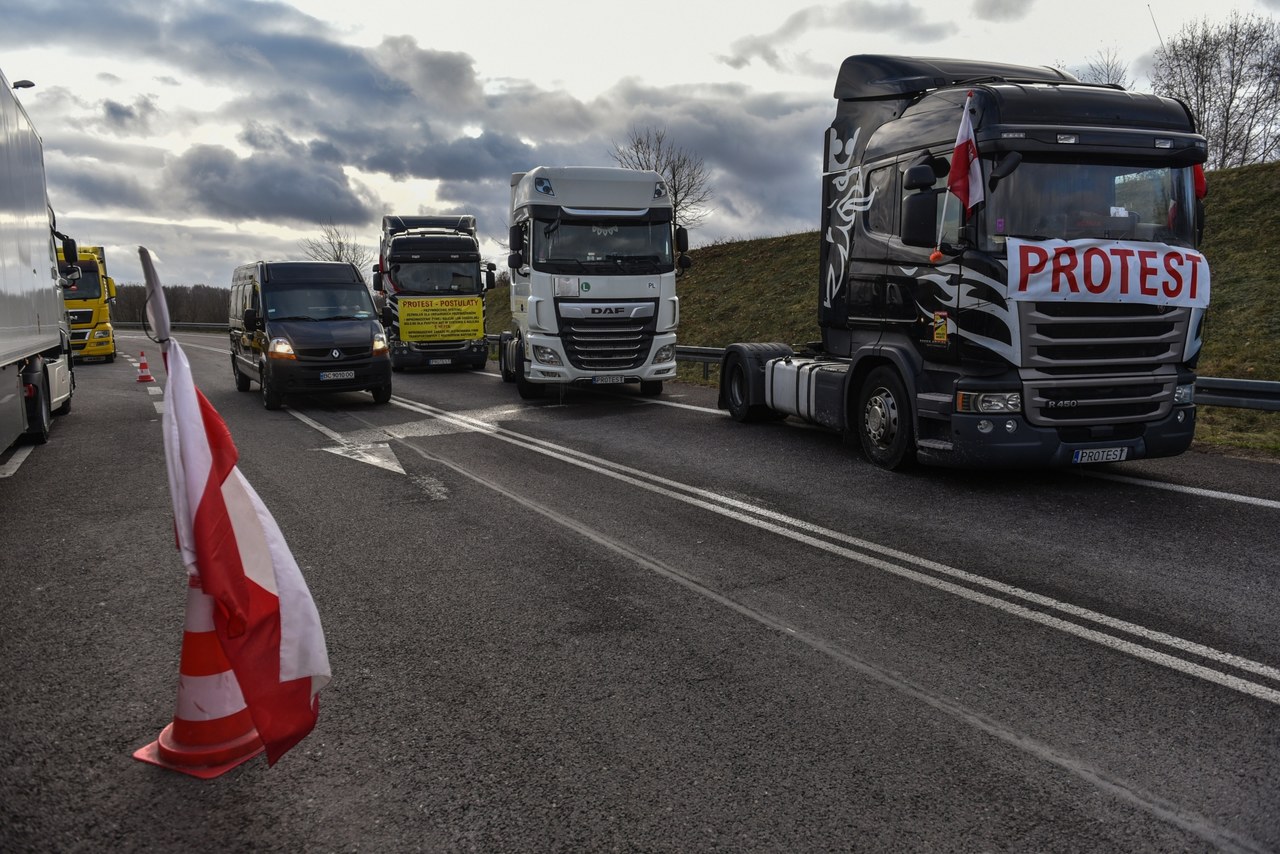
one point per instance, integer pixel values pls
(381, 394)
(504, 365)
(738, 394)
(651, 388)
(41, 420)
(111, 357)
(242, 382)
(271, 399)
(884, 420)
(527, 390)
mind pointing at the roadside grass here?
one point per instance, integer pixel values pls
(766, 290)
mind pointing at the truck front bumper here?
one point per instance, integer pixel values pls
(433, 354)
(1009, 441)
(565, 373)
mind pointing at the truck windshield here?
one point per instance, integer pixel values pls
(437, 277)
(88, 286)
(1070, 201)
(300, 301)
(602, 246)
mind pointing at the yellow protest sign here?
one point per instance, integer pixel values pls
(441, 318)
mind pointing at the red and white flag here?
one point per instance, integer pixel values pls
(965, 179)
(265, 619)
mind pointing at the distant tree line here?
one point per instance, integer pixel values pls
(187, 303)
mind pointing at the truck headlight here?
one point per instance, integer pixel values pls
(102, 333)
(280, 348)
(379, 343)
(546, 355)
(666, 353)
(988, 401)
(1184, 394)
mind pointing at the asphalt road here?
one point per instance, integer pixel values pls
(611, 622)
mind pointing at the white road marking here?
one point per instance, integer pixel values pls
(1190, 490)
(376, 454)
(872, 555)
(19, 454)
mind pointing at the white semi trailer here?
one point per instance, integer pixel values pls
(594, 254)
(36, 379)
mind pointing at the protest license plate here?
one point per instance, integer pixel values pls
(337, 375)
(1100, 455)
(606, 380)
(440, 361)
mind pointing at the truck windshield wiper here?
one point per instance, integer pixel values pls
(579, 264)
(633, 259)
(1026, 236)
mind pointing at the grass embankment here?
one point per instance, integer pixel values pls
(765, 290)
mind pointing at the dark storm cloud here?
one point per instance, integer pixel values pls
(265, 187)
(95, 186)
(1002, 10)
(904, 20)
(132, 119)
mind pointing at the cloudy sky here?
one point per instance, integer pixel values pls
(216, 132)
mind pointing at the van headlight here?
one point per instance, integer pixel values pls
(379, 343)
(280, 348)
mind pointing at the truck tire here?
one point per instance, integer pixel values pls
(242, 382)
(738, 394)
(527, 390)
(651, 388)
(271, 399)
(884, 421)
(111, 357)
(504, 363)
(381, 394)
(41, 420)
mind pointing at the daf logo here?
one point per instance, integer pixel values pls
(336, 353)
(607, 309)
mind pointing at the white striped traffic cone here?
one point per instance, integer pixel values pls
(212, 731)
(144, 373)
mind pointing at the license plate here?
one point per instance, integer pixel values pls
(1100, 455)
(440, 361)
(606, 380)
(337, 375)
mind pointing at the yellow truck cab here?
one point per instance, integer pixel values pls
(88, 301)
(306, 327)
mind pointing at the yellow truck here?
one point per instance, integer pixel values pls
(88, 303)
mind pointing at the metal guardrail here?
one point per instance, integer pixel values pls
(1210, 391)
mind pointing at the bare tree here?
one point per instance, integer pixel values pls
(337, 244)
(1106, 67)
(1229, 76)
(685, 173)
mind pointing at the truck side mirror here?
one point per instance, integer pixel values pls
(515, 260)
(250, 319)
(685, 262)
(919, 177)
(682, 239)
(377, 281)
(515, 238)
(489, 280)
(920, 217)
(70, 250)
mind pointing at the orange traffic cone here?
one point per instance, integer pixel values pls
(212, 731)
(144, 373)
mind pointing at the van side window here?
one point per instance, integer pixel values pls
(879, 216)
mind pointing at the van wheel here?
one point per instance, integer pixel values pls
(651, 388)
(242, 382)
(271, 399)
(884, 421)
(381, 394)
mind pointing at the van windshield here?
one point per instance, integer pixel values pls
(302, 301)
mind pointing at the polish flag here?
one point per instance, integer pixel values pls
(965, 179)
(265, 619)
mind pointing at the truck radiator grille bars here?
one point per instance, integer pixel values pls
(606, 345)
(1100, 363)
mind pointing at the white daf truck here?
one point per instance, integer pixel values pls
(36, 379)
(594, 255)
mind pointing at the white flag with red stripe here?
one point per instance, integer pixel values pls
(265, 618)
(965, 178)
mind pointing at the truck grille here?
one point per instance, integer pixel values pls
(1100, 363)
(606, 345)
(80, 315)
